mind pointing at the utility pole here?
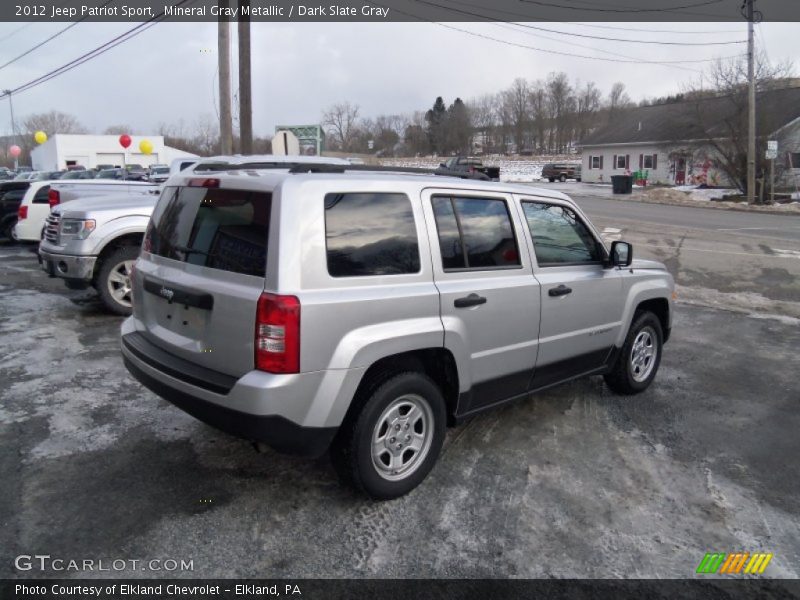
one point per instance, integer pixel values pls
(751, 108)
(224, 51)
(245, 82)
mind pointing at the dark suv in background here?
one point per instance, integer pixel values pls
(561, 171)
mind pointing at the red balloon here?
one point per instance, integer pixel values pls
(124, 140)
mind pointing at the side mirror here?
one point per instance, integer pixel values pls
(621, 254)
(443, 165)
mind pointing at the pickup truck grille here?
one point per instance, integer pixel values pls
(51, 228)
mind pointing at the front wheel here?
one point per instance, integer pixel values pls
(563, 178)
(638, 362)
(392, 444)
(114, 280)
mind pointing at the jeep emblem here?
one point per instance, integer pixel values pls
(166, 292)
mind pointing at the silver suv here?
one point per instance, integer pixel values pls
(317, 307)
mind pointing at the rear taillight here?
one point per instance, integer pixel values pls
(22, 212)
(277, 348)
(53, 198)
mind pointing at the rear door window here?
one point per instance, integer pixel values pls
(370, 234)
(475, 233)
(212, 227)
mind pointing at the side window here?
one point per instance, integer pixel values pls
(370, 234)
(475, 233)
(41, 195)
(559, 236)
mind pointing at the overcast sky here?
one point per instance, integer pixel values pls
(169, 71)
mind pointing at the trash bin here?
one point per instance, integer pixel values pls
(622, 184)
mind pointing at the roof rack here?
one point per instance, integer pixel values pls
(323, 168)
(301, 167)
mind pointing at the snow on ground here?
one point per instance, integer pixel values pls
(705, 194)
(518, 170)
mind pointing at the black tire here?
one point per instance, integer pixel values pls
(8, 229)
(351, 451)
(112, 264)
(551, 179)
(578, 179)
(563, 178)
(621, 378)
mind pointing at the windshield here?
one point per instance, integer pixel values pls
(109, 174)
(159, 170)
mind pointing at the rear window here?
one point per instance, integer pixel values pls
(212, 227)
(370, 234)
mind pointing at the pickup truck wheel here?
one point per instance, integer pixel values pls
(638, 362)
(563, 178)
(113, 280)
(392, 444)
(551, 179)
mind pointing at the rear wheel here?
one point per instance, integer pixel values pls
(8, 229)
(390, 446)
(114, 280)
(638, 362)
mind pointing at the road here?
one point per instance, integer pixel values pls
(731, 222)
(575, 482)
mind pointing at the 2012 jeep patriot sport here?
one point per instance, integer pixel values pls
(336, 307)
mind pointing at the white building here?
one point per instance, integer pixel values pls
(65, 150)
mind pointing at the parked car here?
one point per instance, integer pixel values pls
(76, 168)
(93, 243)
(448, 297)
(135, 172)
(470, 164)
(103, 167)
(181, 164)
(42, 195)
(158, 174)
(561, 171)
(33, 210)
(11, 193)
(78, 174)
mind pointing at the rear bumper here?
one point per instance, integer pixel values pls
(184, 385)
(68, 266)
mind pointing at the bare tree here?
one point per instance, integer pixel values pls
(340, 120)
(206, 138)
(483, 114)
(52, 122)
(562, 106)
(117, 129)
(719, 114)
(618, 98)
(516, 106)
(588, 103)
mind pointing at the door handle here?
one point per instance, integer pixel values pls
(561, 290)
(467, 301)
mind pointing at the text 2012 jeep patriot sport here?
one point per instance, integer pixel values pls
(336, 307)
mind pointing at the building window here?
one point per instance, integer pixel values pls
(649, 161)
(595, 162)
(794, 160)
(621, 161)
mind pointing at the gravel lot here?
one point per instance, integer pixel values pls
(575, 482)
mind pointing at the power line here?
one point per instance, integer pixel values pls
(624, 9)
(548, 50)
(102, 49)
(582, 35)
(16, 31)
(52, 37)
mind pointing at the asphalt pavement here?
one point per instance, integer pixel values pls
(574, 482)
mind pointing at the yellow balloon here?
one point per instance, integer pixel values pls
(146, 146)
(40, 137)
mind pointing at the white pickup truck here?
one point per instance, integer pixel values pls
(43, 195)
(92, 235)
